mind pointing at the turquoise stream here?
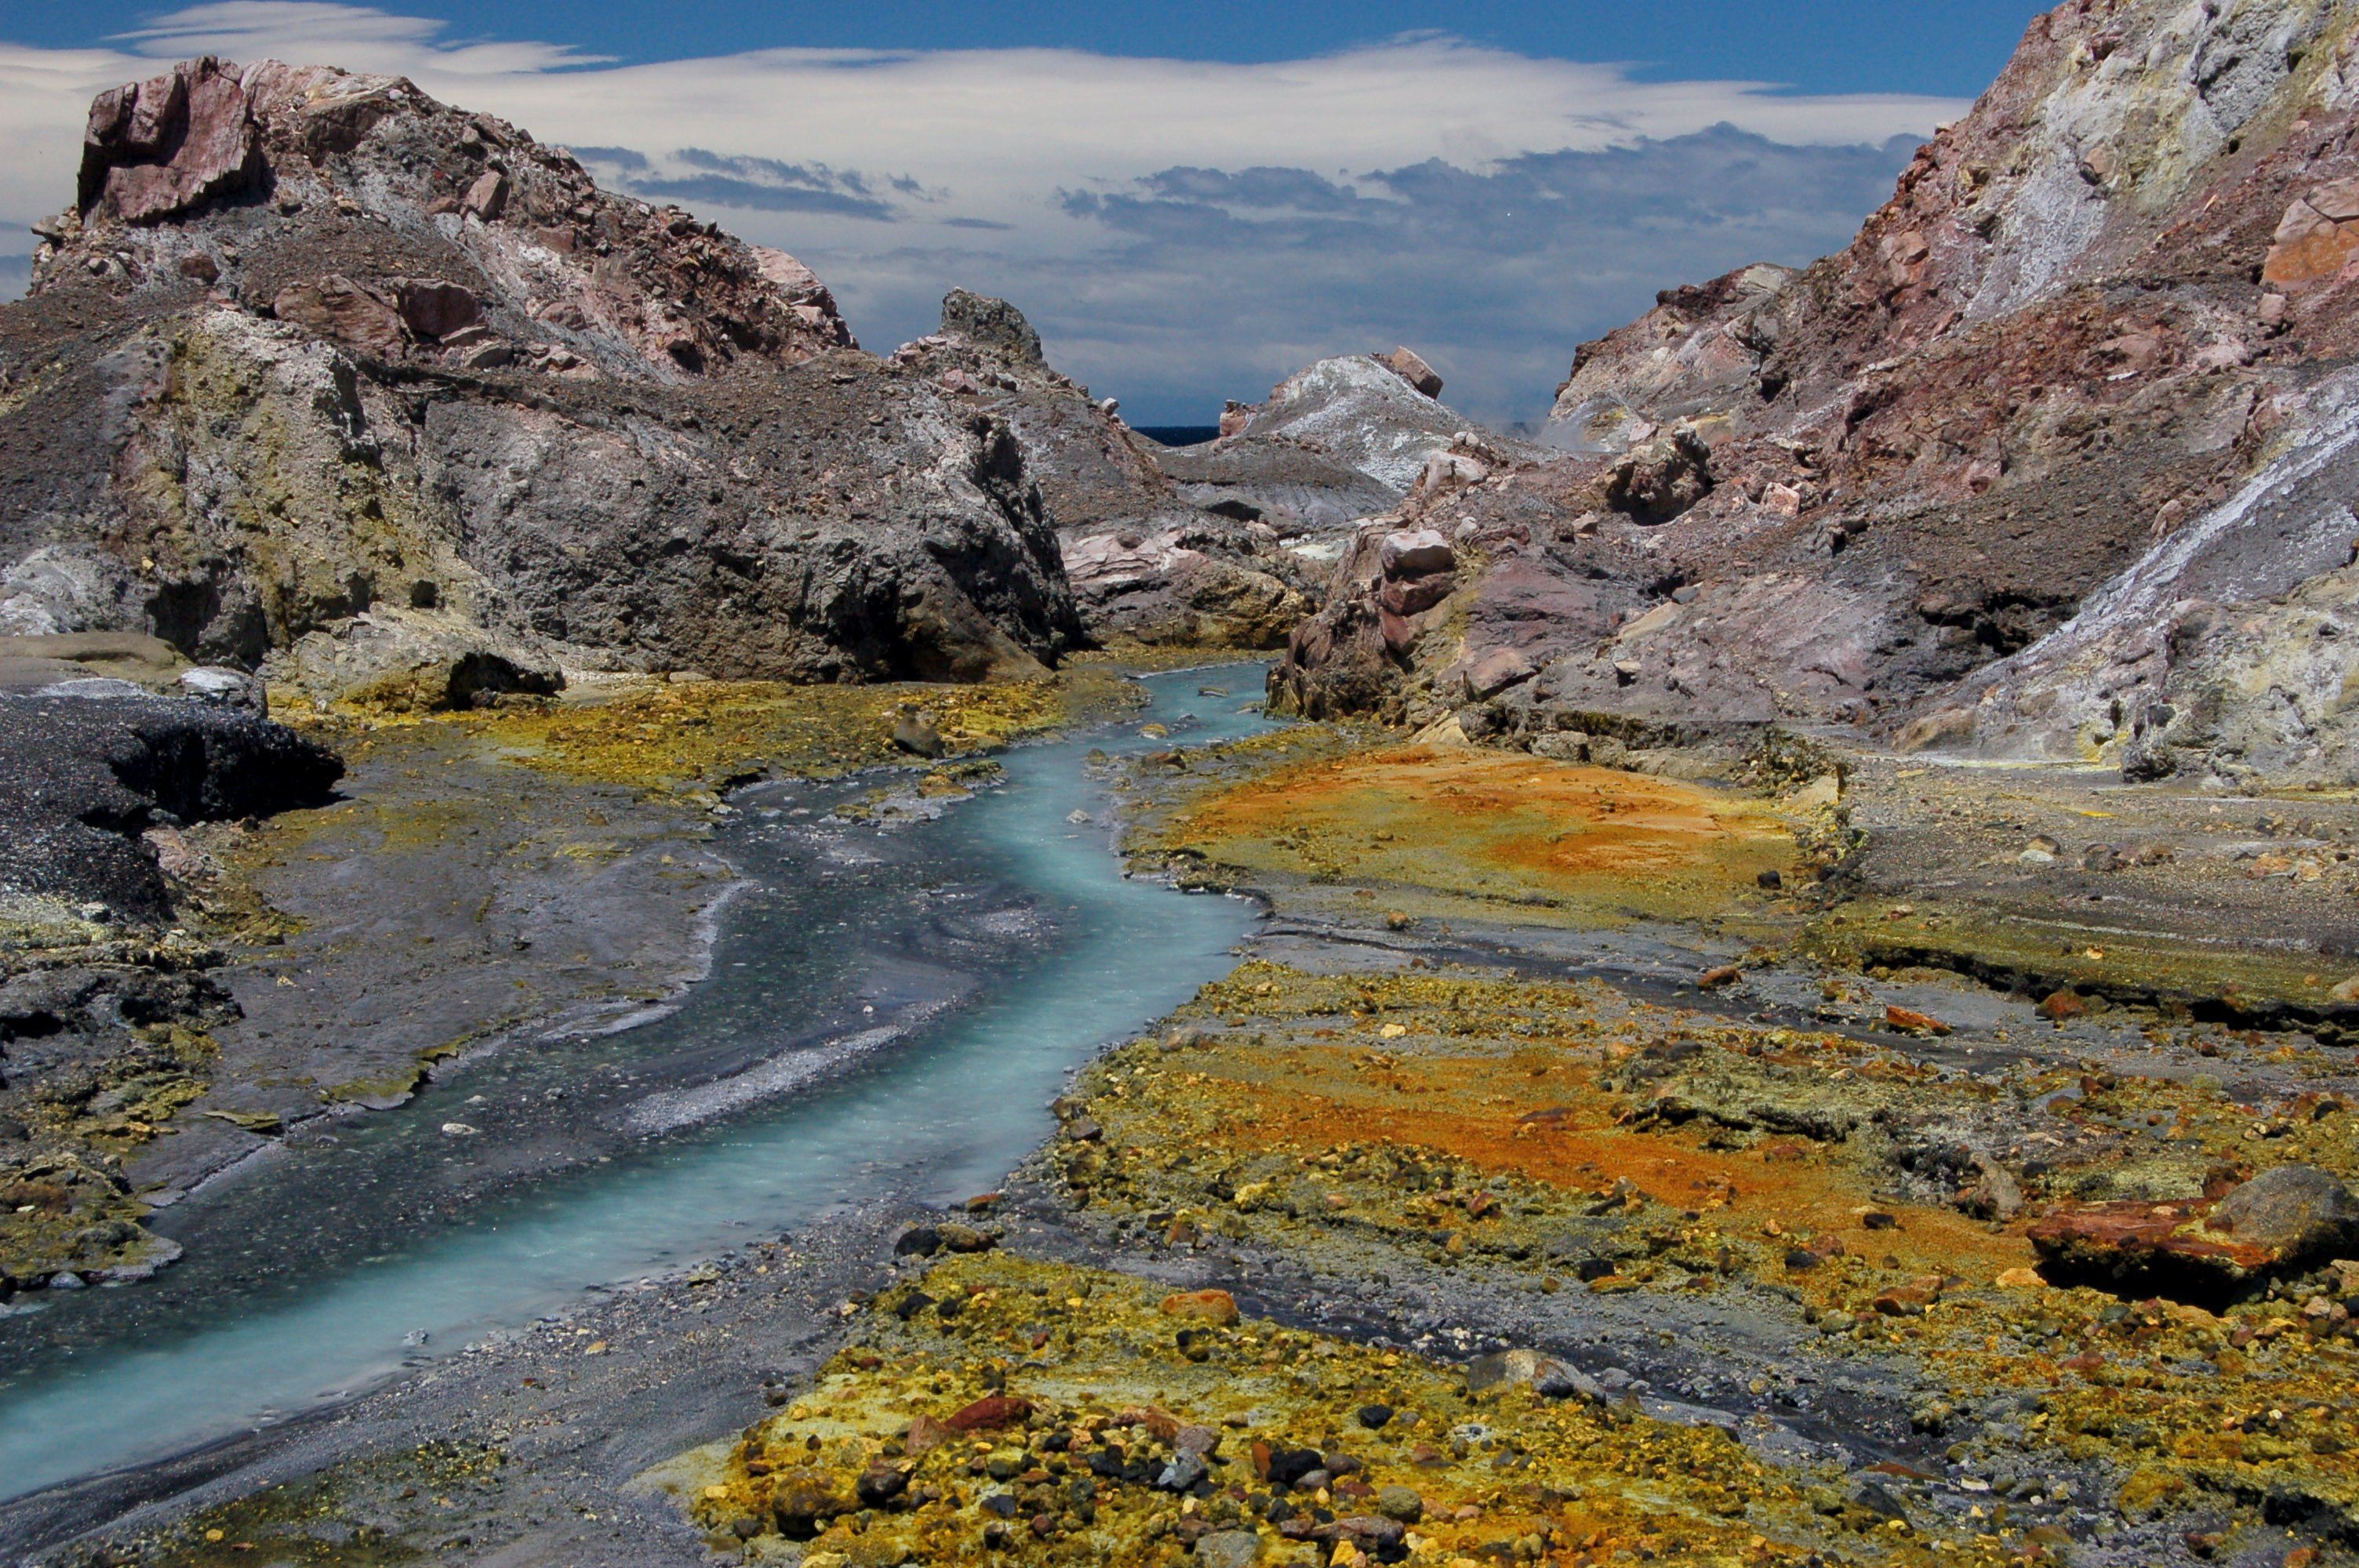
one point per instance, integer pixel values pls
(939, 1113)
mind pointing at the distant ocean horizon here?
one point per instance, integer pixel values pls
(1178, 435)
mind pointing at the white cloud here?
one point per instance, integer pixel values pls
(988, 146)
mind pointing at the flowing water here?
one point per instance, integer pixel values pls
(907, 1003)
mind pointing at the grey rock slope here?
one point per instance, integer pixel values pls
(312, 345)
(2045, 464)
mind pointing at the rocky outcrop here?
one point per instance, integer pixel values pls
(394, 357)
(155, 149)
(82, 778)
(2043, 464)
(1147, 562)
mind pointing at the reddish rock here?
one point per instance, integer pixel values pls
(2134, 1238)
(991, 1412)
(1496, 671)
(1412, 369)
(1201, 1306)
(1160, 1423)
(2280, 1219)
(158, 148)
(1415, 598)
(2063, 1004)
(1908, 1020)
(434, 308)
(487, 198)
(335, 306)
(926, 1434)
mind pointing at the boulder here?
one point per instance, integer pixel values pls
(226, 688)
(1411, 368)
(914, 733)
(1228, 1549)
(1415, 553)
(993, 325)
(337, 308)
(81, 781)
(1659, 479)
(2280, 1219)
(434, 308)
(404, 661)
(1495, 672)
(487, 198)
(1212, 1306)
(1542, 1373)
(158, 148)
(2297, 1212)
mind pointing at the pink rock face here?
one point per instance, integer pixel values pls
(335, 306)
(160, 147)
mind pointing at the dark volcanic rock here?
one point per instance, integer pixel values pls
(386, 354)
(82, 779)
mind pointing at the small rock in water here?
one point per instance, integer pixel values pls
(1211, 691)
(1077, 816)
(66, 1281)
(457, 1129)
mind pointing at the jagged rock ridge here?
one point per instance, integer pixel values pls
(312, 348)
(2084, 364)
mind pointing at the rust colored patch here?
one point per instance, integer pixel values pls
(989, 1411)
(1498, 824)
(1201, 1306)
(2129, 1236)
(1468, 1108)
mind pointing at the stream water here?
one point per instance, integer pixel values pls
(889, 1014)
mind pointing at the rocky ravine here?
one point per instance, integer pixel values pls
(2051, 463)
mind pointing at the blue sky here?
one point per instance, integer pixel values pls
(1948, 47)
(1190, 202)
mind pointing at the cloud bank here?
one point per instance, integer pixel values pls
(1180, 231)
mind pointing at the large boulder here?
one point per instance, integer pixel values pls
(158, 148)
(412, 662)
(2280, 1220)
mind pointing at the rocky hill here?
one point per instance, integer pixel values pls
(1149, 562)
(321, 372)
(2052, 461)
